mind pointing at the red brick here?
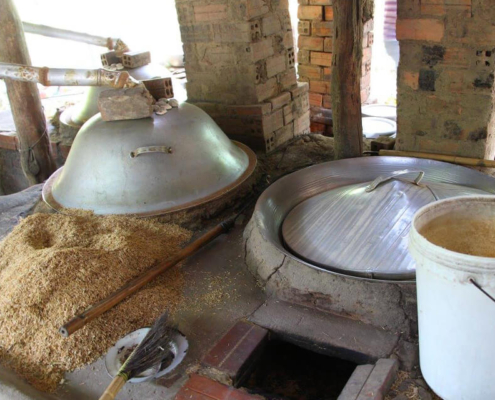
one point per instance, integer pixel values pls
(327, 101)
(310, 71)
(262, 49)
(303, 56)
(328, 13)
(201, 388)
(320, 87)
(211, 12)
(315, 99)
(431, 30)
(327, 73)
(310, 12)
(320, 2)
(288, 114)
(310, 43)
(302, 124)
(317, 127)
(410, 79)
(323, 59)
(304, 28)
(281, 100)
(322, 28)
(275, 65)
(235, 351)
(302, 87)
(288, 80)
(251, 110)
(9, 141)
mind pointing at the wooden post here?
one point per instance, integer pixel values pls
(36, 160)
(346, 77)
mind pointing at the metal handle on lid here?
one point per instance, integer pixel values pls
(373, 185)
(151, 149)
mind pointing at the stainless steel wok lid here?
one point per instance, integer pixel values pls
(304, 215)
(362, 229)
(149, 166)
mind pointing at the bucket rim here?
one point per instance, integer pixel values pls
(441, 255)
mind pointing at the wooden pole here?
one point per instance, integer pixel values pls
(346, 77)
(36, 159)
(474, 162)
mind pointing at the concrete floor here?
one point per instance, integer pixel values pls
(202, 324)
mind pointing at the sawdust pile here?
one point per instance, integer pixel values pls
(52, 267)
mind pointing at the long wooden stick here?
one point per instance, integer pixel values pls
(475, 162)
(137, 283)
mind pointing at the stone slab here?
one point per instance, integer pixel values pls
(324, 332)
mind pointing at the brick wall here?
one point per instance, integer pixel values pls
(315, 43)
(445, 77)
(240, 66)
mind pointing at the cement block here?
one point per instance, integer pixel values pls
(356, 382)
(123, 104)
(381, 378)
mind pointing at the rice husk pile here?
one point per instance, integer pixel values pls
(53, 266)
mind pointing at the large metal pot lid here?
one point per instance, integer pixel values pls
(374, 127)
(149, 166)
(380, 110)
(362, 229)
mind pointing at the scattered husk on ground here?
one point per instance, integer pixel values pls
(53, 266)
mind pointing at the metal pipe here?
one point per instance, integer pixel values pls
(110, 43)
(67, 77)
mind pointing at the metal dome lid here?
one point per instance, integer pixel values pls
(81, 112)
(362, 229)
(149, 166)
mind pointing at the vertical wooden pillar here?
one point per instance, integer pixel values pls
(36, 160)
(346, 77)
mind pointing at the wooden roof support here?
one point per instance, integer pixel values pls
(36, 160)
(349, 16)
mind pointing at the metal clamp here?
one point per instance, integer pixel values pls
(481, 289)
(151, 149)
(373, 185)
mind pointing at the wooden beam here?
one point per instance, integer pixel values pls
(346, 77)
(36, 160)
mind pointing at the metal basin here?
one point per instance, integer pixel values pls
(149, 166)
(310, 242)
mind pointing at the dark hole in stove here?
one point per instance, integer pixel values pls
(288, 372)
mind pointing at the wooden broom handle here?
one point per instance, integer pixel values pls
(137, 283)
(113, 389)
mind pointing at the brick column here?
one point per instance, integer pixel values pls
(445, 78)
(239, 59)
(315, 42)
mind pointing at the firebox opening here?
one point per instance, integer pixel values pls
(289, 372)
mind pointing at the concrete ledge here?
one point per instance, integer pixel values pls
(326, 333)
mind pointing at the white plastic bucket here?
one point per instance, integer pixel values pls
(456, 319)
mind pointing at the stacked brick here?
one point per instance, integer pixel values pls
(315, 44)
(240, 66)
(446, 75)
